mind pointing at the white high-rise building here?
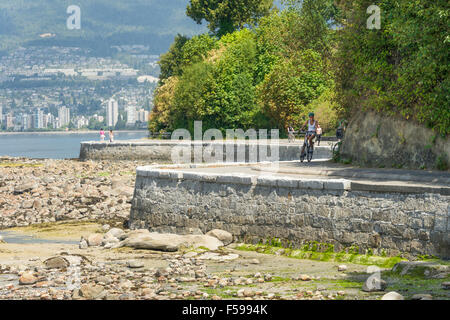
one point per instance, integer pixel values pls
(38, 119)
(64, 116)
(131, 115)
(50, 120)
(143, 115)
(112, 113)
(1, 114)
(9, 121)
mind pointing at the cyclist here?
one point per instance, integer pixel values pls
(341, 130)
(311, 133)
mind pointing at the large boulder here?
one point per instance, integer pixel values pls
(197, 241)
(95, 239)
(143, 239)
(392, 296)
(421, 269)
(222, 235)
(115, 232)
(91, 292)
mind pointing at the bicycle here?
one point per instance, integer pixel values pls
(308, 150)
(336, 148)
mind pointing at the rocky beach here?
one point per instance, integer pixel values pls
(64, 235)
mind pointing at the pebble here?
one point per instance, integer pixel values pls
(342, 268)
(27, 278)
(305, 277)
(135, 264)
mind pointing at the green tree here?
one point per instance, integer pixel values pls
(292, 85)
(171, 62)
(401, 69)
(226, 16)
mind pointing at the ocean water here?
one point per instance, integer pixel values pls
(54, 145)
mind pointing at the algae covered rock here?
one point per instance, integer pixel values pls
(421, 269)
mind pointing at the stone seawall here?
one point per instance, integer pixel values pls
(255, 208)
(161, 151)
(377, 140)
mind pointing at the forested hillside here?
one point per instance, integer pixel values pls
(314, 55)
(103, 22)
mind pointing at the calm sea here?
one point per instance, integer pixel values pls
(54, 145)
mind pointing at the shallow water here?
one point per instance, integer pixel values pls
(54, 145)
(17, 238)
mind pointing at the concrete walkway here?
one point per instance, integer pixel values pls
(362, 179)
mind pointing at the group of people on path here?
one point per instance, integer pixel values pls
(103, 135)
(314, 130)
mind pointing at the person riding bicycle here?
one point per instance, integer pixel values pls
(311, 133)
(341, 130)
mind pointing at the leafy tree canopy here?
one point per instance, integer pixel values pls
(225, 16)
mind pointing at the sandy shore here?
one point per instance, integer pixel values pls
(59, 202)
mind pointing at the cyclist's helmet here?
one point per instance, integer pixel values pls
(311, 114)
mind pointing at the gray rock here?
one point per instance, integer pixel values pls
(135, 264)
(421, 269)
(374, 284)
(27, 278)
(422, 297)
(56, 263)
(190, 254)
(24, 188)
(222, 235)
(169, 242)
(116, 232)
(342, 268)
(109, 239)
(83, 244)
(95, 240)
(446, 285)
(392, 296)
(91, 292)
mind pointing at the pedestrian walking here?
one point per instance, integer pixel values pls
(291, 136)
(102, 135)
(319, 134)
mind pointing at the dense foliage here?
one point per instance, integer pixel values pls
(403, 68)
(314, 55)
(225, 16)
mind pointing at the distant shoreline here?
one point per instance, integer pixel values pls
(68, 132)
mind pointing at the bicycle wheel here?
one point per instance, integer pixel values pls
(303, 154)
(337, 148)
(310, 153)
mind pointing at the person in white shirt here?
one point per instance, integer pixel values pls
(319, 134)
(291, 135)
(312, 125)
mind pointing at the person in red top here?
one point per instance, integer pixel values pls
(102, 135)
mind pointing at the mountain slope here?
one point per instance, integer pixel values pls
(115, 22)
